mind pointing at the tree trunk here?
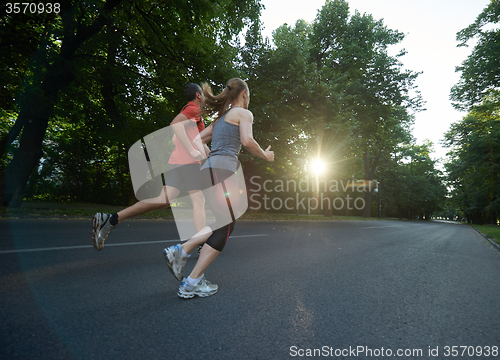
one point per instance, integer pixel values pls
(8, 138)
(36, 111)
(369, 172)
(38, 105)
(17, 173)
(368, 204)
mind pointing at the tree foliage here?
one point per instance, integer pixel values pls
(333, 91)
(480, 72)
(474, 164)
(474, 142)
(412, 186)
(111, 70)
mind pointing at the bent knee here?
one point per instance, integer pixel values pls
(219, 237)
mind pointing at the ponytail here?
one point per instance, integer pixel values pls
(219, 104)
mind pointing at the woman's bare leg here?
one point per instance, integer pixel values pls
(199, 215)
(207, 255)
(197, 239)
(168, 194)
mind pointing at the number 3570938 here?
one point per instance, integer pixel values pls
(32, 8)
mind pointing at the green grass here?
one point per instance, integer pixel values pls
(46, 210)
(74, 210)
(493, 232)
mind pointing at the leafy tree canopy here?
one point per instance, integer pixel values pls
(480, 72)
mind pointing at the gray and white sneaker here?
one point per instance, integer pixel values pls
(175, 260)
(203, 289)
(101, 228)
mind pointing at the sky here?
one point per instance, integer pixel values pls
(430, 27)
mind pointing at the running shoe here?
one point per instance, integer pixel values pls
(100, 229)
(175, 260)
(203, 289)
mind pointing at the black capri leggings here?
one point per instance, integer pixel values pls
(220, 235)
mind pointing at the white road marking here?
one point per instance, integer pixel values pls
(55, 248)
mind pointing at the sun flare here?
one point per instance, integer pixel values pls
(318, 166)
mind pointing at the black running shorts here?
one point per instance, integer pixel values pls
(184, 177)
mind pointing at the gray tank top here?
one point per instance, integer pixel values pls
(226, 145)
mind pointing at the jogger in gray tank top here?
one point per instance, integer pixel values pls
(232, 128)
(226, 145)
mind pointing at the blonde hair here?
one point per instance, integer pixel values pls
(219, 104)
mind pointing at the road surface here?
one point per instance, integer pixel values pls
(340, 290)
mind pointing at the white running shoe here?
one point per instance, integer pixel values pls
(100, 229)
(203, 289)
(175, 260)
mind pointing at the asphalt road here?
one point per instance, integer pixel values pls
(342, 290)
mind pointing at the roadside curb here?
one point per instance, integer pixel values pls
(495, 245)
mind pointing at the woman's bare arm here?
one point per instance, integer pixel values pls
(247, 140)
